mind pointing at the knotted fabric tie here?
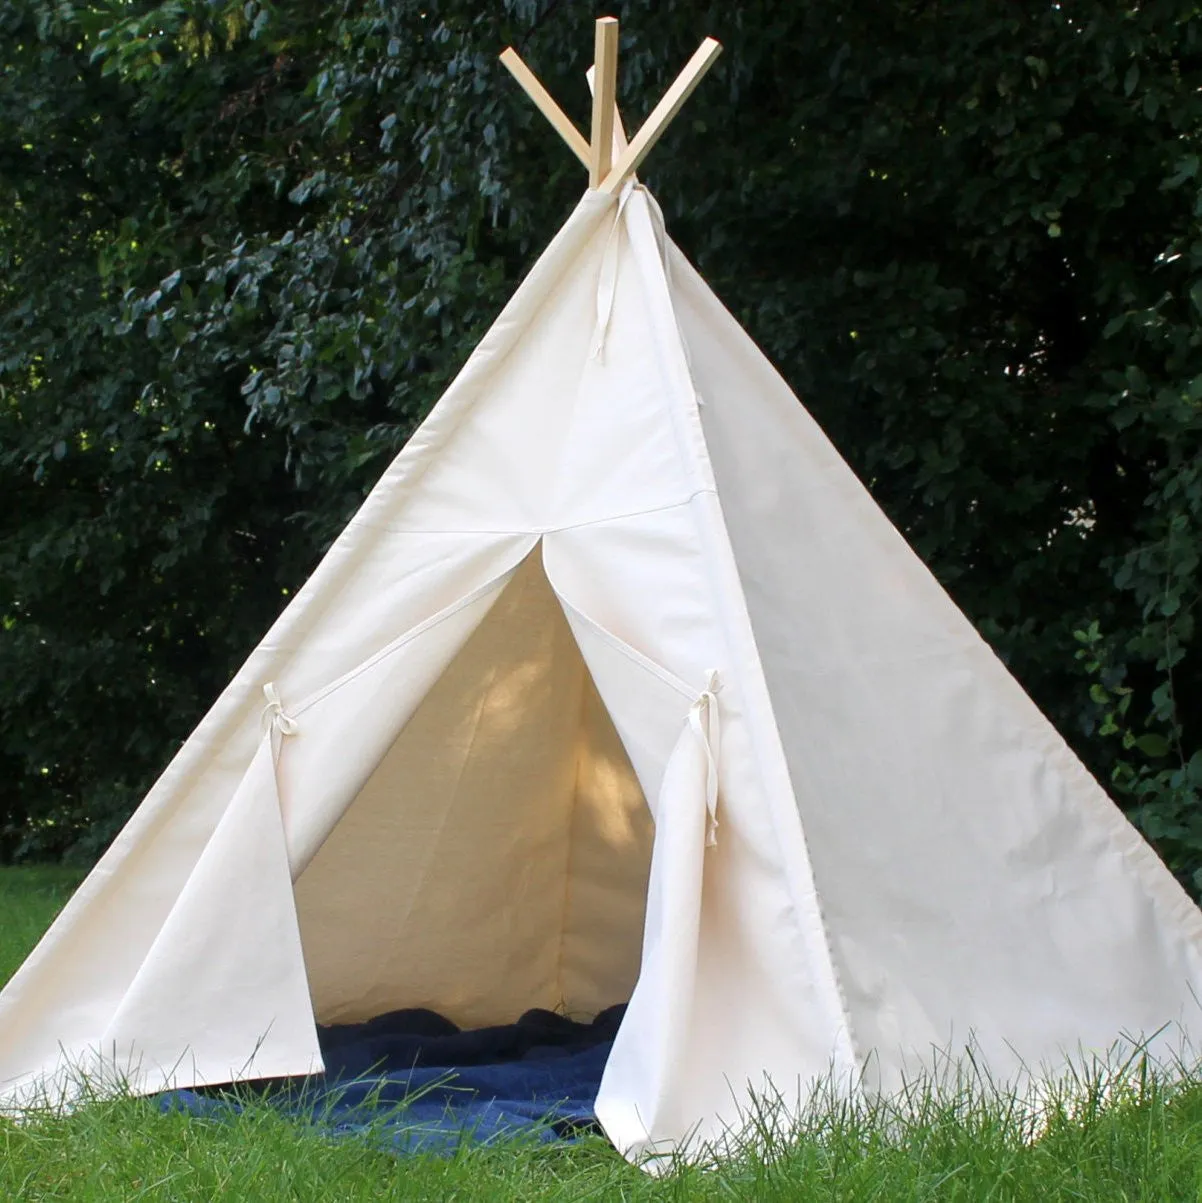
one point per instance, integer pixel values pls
(703, 719)
(274, 718)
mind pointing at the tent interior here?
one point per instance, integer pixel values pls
(497, 858)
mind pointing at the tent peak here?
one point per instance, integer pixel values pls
(597, 154)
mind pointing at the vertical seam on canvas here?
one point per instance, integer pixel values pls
(574, 805)
(707, 538)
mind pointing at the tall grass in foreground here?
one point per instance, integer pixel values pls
(1145, 1144)
(1136, 1140)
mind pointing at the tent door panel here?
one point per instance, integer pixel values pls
(497, 857)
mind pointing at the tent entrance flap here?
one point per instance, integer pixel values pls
(497, 858)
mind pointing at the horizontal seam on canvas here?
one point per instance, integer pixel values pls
(537, 530)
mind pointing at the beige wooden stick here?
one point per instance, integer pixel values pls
(547, 106)
(605, 65)
(620, 139)
(661, 116)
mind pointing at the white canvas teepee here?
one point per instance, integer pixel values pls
(618, 687)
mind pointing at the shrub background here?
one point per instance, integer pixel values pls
(243, 248)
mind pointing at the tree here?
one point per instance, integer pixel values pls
(246, 246)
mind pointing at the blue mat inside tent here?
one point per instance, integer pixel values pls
(417, 1083)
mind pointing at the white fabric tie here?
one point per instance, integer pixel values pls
(274, 718)
(703, 719)
(607, 281)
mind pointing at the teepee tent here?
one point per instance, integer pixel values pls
(619, 687)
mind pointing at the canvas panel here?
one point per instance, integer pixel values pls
(492, 472)
(976, 882)
(661, 582)
(222, 994)
(641, 1104)
(137, 970)
(497, 857)
(759, 999)
(338, 737)
(622, 453)
(384, 574)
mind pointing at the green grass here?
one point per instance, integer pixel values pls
(29, 899)
(1145, 1145)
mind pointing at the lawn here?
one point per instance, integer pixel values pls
(1145, 1147)
(29, 899)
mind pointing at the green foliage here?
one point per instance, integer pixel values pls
(1166, 787)
(243, 247)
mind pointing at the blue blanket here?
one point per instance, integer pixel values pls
(416, 1082)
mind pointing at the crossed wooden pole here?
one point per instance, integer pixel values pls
(597, 154)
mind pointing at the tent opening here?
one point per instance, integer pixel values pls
(497, 858)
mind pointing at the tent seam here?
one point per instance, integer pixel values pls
(630, 653)
(547, 530)
(497, 583)
(572, 814)
(707, 537)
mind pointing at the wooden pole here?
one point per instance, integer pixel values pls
(547, 106)
(609, 136)
(620, 139)
(605, 91)
(661, 116)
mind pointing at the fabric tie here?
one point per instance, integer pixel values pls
(703, 719)
(274, 718)
(607, 281)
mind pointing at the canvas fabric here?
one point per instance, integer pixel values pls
(979, 889)
(618, 687)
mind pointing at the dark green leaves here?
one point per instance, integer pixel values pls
(1153, 745)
